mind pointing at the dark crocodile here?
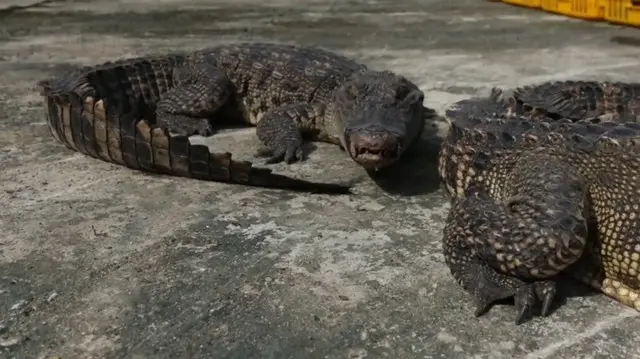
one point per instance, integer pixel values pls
(124, 108)
(582, 100)
(534, 195)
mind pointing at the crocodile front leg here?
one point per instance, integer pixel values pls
(200, 89)
(281, 129)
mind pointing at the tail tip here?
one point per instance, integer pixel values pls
(335, 188)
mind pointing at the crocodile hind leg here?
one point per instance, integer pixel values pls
(200, 89)
(515, 242)
(487, 285)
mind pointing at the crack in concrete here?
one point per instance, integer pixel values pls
(596, 328)
(7, 8)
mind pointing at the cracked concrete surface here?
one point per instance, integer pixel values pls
(99, 261)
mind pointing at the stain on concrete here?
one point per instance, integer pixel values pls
(99, 261)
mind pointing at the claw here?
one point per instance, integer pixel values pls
(485, 288)
(288, 153)
(525, 299)
(546, 306)
(486, 285)
(546, 292)
(482, 307)
(204, 129)
(299, 154)
(292, 155)
(264, 152)
(276, 157)
(522, 309)
(521, 314)
(192, 126)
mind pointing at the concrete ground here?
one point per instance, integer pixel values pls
(99, 261)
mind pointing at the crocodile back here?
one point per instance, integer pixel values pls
(108, 112)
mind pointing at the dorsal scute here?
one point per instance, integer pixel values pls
(488, 132)
(493, 120)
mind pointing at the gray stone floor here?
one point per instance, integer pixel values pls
(98, 261)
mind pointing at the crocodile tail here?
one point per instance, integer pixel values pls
(103, 129)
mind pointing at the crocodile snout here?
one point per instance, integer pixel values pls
(373, 150)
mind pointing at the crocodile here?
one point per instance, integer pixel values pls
(580, 100)
(535, 194)
(148, 106)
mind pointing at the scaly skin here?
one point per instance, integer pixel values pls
(533, 196)
(583, 100)
(289, 91)
(286, 91)
(103, 111)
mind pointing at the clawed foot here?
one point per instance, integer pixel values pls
(280, 133)
(289, 152)
(203, 128)
(487, 286)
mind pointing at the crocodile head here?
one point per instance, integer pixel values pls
(382, 114)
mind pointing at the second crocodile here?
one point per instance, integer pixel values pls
(538, 193)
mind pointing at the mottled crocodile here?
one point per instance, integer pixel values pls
(139, 112)
(534, 195)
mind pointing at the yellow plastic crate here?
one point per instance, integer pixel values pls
(583, 9)
(623, 12)
(534, 4)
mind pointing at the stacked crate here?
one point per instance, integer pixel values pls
(584, 9)
(625, 12)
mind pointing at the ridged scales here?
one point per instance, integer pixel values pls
(106, 112)
(580, 100)
(536, 195)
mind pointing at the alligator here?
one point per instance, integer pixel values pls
(139, 112)
(538, 193)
